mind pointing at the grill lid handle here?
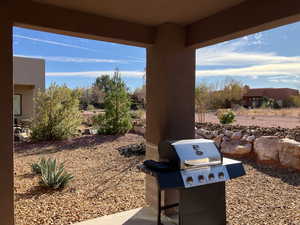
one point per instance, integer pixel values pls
(201, 162)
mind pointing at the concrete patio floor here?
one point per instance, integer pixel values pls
(140, 216)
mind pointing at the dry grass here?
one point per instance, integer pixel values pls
(292, 112)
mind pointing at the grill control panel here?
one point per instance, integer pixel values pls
(203, 176)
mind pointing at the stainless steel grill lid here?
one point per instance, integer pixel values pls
(197, 153)
(199, 162)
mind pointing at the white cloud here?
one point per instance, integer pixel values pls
(78, 59)
(236, 53)
(271, 70)
(239, 61)
(287, 69)
(51, 42)
(95, 73)
(242, 59)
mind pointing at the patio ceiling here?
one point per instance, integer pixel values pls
(151, 12)
(135, 22)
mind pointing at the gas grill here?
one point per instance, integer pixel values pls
(198, 170)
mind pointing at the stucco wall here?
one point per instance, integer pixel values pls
(29, 77)
(27, 100)
(29, 71)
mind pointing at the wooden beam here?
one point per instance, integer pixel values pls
(55, 19)
(6, 119)
(246, 18)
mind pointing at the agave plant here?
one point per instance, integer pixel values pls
(53, 175)
(36, 167)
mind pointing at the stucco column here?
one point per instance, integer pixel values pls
(6, 120)
(170, 95)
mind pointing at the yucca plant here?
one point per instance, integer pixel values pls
(53, 175)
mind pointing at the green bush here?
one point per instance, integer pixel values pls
(57, 114)
(98, 121)
(137, 114)
(53, 174)
(292, 101)
(226, 116)
(117, 118)
(90, 108)
(269, 103)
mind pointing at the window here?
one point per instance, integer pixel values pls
(17, 105)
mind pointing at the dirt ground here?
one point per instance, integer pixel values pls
(106, 183)
(262, 121)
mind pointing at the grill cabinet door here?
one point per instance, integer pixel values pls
(203, 205)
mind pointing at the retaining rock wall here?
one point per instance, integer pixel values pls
(279, 146)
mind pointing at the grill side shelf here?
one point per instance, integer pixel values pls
(165, 180)
(234, 168)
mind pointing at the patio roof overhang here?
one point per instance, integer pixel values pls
(206, 22)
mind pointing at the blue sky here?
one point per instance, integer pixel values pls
(266, 59)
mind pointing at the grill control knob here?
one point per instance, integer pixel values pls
(199, 152)
(189, 180)
(211, 176)
(201, 178)
(221, 175)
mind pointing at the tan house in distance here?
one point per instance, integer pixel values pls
(28, 77)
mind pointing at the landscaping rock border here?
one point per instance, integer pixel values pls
(280, 132)
(277, 146)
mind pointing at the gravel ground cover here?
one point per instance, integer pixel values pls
(106, 182)
(265, 196)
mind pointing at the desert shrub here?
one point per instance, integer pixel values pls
(103, 83)
(117, 119)
(292, 101)
(90, 108)
(226, 116)
(53, 174)
(296, 100)
(202, 97)
(269, 103)
(57, 114)
(137, 114)
(98, 122)
(219, 95)
(139, 98)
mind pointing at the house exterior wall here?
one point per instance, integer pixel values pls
(255, 97)
(27, 95)
(29, 77)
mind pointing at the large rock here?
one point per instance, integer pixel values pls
(228, 133)
(250, 139)
(236, 135)
(267, 148)
(218, 140)
(235, 148)
(204, 133)
(139, 129)
(289, 153)
(21, 137)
